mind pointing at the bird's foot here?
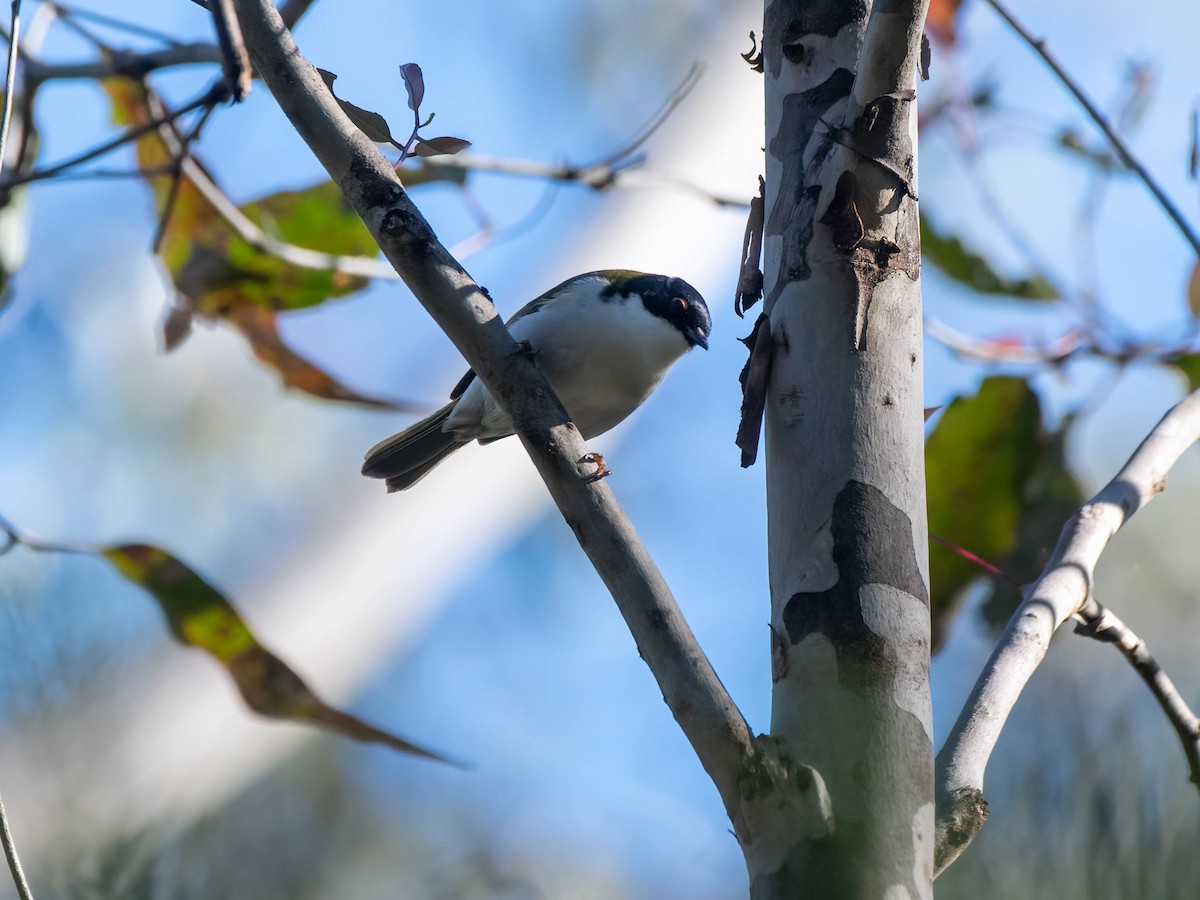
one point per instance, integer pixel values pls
(524, 348)
(602, 471)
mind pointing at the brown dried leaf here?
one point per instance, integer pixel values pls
(940, 21)
(750, 276)
(1193, 291)
(440, 146)
(754, 377)
(260, 327)
(201, 617)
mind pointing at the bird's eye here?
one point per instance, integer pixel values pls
(680, 302)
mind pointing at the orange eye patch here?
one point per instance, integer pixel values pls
(680, 302)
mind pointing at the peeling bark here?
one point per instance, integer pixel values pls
(844, 444)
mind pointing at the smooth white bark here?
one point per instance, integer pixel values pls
(1059, 593)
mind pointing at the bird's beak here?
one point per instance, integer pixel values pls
(697, 338)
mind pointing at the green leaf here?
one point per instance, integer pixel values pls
(951, 256)
(998, 488)
(1051, 496)
(1189, 365)
(223, 270)
(977, 461)
(201, 617)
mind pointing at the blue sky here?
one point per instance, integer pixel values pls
(514, 656)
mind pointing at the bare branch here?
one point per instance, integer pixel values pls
(116, 24)
(1102, 624)
(1118, 143)
(185, 152)
(136, 64)
(289, 253)
(703, 708)
(292, 10)
(234, 62)
(623, 173)
(1059, 593)
(124, 63)
(10, 852)
(10, 78)
(212, 96)
(656, 122)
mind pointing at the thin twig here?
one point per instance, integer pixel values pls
(185, 150)
(701, 704)
(1059, 593)
(235, 64)
(656, 121)
(213, 95)
(363, 266)
(1100, 623)
(10, 78)
(116, 24)
(123, 63)
(1098, 117)
(14, 863)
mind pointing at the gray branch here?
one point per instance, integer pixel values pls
(1059, 593)
(10, 853)
(1102, 624)
(706, 713)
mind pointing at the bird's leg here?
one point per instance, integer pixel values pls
(602, 471)
(524, 348)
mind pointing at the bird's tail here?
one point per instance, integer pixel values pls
(407, 457)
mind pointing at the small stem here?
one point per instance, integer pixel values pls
(185, 151)
(14, 863)
(210, 96)
(1118, 143)
(10, 79)
(1103, 625)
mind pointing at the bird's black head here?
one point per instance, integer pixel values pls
(673, 299)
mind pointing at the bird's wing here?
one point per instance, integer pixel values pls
(530, 307)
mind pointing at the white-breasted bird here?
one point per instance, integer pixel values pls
(604, 340)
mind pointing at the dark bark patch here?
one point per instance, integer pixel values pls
(841, 215)
(872, 544)
(787, 24)
(794, 209)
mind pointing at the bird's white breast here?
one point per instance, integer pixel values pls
(603, 357)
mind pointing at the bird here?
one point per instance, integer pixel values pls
(604, 340)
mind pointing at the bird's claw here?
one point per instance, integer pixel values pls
(524, 348)
(602, 471)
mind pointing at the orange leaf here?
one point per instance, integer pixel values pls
(201, 617)
(940, 21)
(1193, 291)
(260, 327)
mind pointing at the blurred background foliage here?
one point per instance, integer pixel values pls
(1061, 328)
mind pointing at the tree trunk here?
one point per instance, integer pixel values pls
(844, 444)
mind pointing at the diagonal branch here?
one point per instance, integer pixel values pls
(705, 711)
(234, 62)
(14, 862)
(10, 78)
(1059, 593)
(1102, 624)
(1118, 143)
(210, 97)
